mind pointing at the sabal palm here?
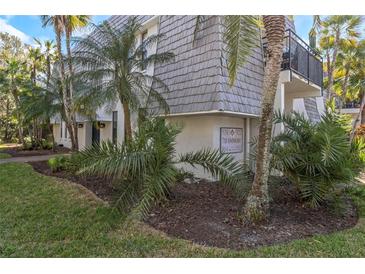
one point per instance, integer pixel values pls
(48, 49)
(59, 24)
(72, 23)
(111, 62)
(333, 30)
(350, 57)
(35, 59)
(241, 35)
(144, 169)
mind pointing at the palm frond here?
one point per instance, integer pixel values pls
(240, 34)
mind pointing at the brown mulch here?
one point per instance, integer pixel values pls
(207, 213)
(101, 187)
(18, 152)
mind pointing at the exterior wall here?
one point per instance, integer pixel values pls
(56, 132)
(106, 132)
(203, 131)
(61, 140)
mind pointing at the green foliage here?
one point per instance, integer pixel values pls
(317, 157)
(144, 169)
(112, 65)
(58, 163)
(41, 216)
(4, 155)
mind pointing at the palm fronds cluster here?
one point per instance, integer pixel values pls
(145, 168)
(317, 157)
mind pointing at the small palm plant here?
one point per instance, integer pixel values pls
(113, 64)
(316, 157)
(145, 168)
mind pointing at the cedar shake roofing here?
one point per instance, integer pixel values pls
(198, 78)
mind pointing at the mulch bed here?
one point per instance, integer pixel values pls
(207, 213)
(18, 152)
(101, 187)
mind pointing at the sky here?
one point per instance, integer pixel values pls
(27, 27)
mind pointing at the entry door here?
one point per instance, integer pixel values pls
(95, 134)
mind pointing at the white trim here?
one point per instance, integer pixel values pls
(150, 22)
(212, 112)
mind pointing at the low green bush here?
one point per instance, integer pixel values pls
(58, 163)
(46, 144)
(318, 158)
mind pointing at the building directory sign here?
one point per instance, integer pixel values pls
(231, 140)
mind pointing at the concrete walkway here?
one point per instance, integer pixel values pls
(26, 159)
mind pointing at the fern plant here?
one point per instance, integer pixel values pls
(317, 157)
(145, 168)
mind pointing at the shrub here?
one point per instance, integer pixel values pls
(144, 169)
(58, 163)
(28, 145)
(46, 144)
(317, 157)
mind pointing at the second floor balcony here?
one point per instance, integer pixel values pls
(301, 59)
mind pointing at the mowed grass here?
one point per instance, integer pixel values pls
(4, 155)
(47, 217)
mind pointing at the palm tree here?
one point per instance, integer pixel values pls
(45, 101)
(241, 35)
(144, 169)
(72, 23)
(350, 57)
(35, 61)
(333, 30)
(357, 88)
(14, 77)
(49, 56)
(112, 64)
(59, 24)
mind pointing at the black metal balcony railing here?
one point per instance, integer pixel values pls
(354, 104)
(301, 59)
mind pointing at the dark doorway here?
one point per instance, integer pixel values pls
(95, 139)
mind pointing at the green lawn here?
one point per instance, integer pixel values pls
(45, 217)
(4, 155)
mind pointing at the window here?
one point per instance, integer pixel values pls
(144, 50)
(115, 126)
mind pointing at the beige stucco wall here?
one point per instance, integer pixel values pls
(203, 131)
(56, 132)
(106, 132)
(61, 140)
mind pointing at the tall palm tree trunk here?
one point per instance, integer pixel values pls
(65, 98)
(257, 205)
(73, 127)
(19, 117)
(127, 122)
(330, 66)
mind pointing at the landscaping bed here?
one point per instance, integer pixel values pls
(101, 187)
(19, 152)
(207, 213)
(63, 220)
